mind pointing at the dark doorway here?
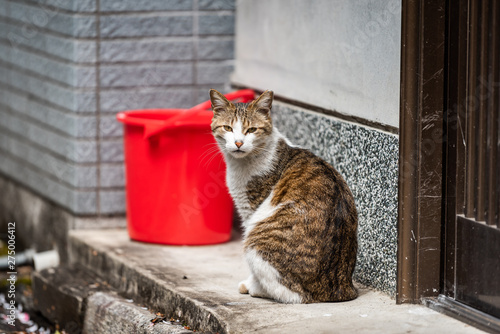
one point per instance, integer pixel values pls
(449, 188)
(472, 237)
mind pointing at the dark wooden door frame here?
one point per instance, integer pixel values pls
(421, 149)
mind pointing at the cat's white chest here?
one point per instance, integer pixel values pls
(237, 185)
(241, 171)
(250, 216)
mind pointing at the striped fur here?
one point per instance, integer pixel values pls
(299, 216)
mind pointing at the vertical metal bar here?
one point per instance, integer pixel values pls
(498, 155)
(481, 188)
(455, 126)
(460, 104)
(493, 116)
(472, 105)
(497, 108)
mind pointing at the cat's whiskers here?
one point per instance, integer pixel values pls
(210, 154)
(209, 150)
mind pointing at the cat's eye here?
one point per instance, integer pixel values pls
(228, 128)
(251, 130)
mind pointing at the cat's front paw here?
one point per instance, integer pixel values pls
(243, 287)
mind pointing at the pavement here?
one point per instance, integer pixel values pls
(129, 282)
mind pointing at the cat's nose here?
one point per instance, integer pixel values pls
(238, 143)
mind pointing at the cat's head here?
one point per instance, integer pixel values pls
(242, 129)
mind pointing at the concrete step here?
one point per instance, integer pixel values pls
(60, 293)
(109, 313)
(80, 301)
(199, 285)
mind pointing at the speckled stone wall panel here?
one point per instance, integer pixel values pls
(368, 160)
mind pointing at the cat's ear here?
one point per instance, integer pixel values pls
(263, 103)
(219, 101)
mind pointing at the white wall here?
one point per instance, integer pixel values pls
(337, 54)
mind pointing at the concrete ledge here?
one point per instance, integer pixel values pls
(79, 301)
(108, 313)
(60, 294)
(199, 285)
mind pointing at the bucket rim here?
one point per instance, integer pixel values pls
(195, 119)
(133, 116)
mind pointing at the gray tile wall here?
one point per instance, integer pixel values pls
(66, 68)
(368, 160)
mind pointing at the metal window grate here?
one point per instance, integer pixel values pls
(481, 116)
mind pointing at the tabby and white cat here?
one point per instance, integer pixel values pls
(299, 216)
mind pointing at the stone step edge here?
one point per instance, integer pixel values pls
(144, 287)
(107, 313)
(79, 301)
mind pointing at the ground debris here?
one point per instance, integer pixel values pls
(159, 318)
(162, 318)
(20, 317)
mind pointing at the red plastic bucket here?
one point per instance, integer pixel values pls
(176, 192)
(175, 175)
